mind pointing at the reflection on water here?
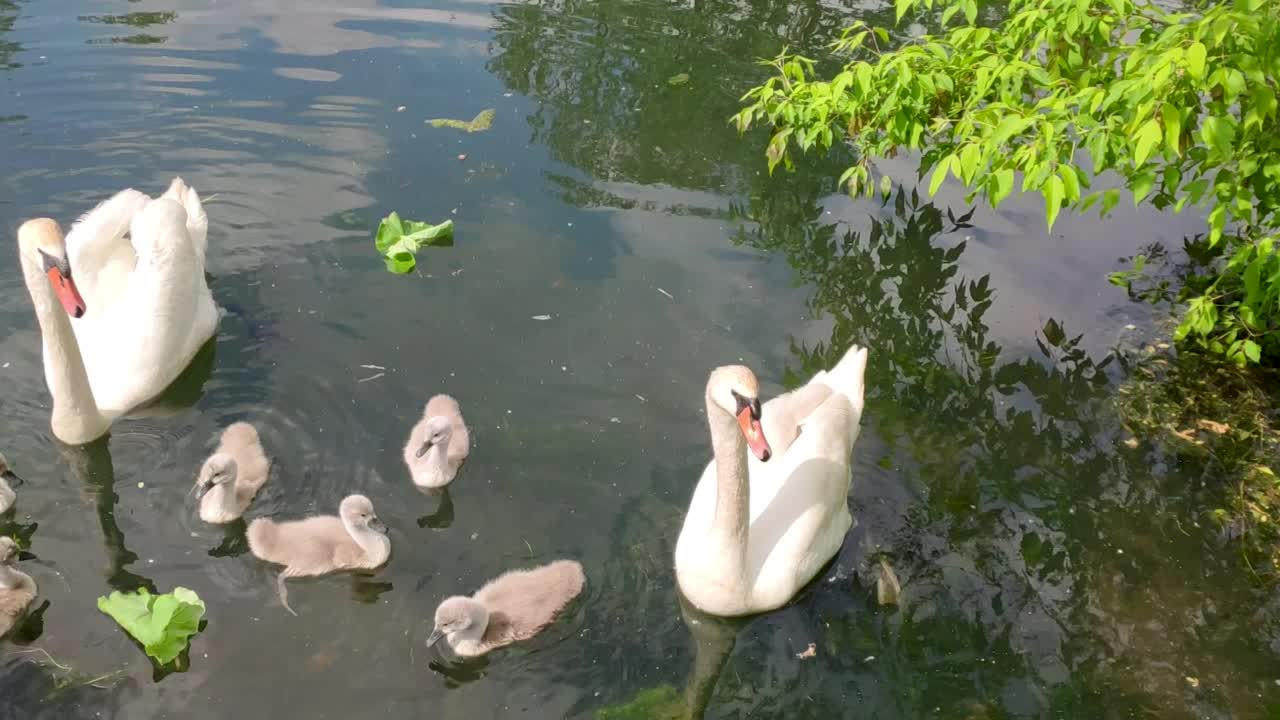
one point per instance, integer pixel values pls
(1048, 568)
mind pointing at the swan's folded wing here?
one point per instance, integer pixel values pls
(783, 416)
(100, 255)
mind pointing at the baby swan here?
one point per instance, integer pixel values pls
(438, 444)
(355, 540)
(7, 496)
(17, 589)
(233, 474)
(512, 607)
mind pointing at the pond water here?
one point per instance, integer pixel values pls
(1048, 568)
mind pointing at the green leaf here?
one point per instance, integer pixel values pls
(398, 240)
(864, 77)
(1003, 186)
(970, 156)
(1053, 193)
(1140, 185)
(901, 6)
(1071, 182)
(678, 79)
(940, 174)
(1252, 351)
(1195, 60)
(1109, 200)
(1218, 133)
(1148, 136)
(163, 624)
(1172, 128)
(1252, 280)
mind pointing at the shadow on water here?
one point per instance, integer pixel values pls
(91, 464)
(442, 518)
(235, 540)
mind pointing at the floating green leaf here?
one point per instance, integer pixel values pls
(399, 240)
(480, 122)
(162, 623)
(678, 79)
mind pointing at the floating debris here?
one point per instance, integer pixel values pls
(678, 79)
(669, 295)
(808, 652)
(479, 123)
(541, 317)
(887, 586)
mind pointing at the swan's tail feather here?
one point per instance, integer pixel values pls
(197, 219)
(283, 591)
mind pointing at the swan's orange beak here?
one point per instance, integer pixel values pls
(754, 434)
(65, 288)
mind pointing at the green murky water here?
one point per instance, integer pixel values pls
(1048, 569)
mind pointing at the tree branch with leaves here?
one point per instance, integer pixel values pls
(1181, 108)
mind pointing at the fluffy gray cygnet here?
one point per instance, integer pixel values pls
(233, 474)
(353, 540)
(7, 496)
(438, 443)
(512, 607)
(17, 589)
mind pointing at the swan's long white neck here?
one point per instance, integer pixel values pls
(14, 579)
(376, 545)
(76, 418)
(732, 514)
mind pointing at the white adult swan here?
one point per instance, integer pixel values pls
(141, 319)
(758, 529)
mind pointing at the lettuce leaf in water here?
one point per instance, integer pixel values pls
(163, 624)
(398, 240)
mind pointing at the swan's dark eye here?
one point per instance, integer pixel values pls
(50, 262)
(744, 403)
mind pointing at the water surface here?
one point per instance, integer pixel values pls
(1049, 569)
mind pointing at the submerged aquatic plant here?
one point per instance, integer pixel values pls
(659, 703)
(1213, 414)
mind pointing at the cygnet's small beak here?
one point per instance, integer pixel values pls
(377, 526)
(202, 488)
(435, 636)
(423, 450)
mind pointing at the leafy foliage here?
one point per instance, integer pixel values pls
(163, 624)
(1181, 107)
(398, 240)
